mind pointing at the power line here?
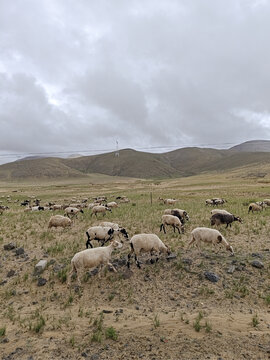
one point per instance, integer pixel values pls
(110, 150)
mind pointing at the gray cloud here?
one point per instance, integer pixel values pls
(80, 75)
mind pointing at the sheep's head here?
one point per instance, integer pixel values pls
(229, 248)
(124, 232)
(237, 218)
(81, 211)
(108, 209)
(116, 244)
(168, 250)
(111, 232)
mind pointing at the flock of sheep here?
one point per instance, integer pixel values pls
(139, 243)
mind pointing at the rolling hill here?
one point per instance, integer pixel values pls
(131, 163)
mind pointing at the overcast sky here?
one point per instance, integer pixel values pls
(79, 75)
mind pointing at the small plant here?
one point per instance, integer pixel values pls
(156, 321)
(72, 341)
(110, 333)
(255, 320)
(37, 327)
(62, 275)
(111, 296)
(267, 299)
(98, 329)
(2, 331)
(208, 327)
(197, 326)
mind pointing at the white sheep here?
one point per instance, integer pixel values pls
(100, 233)
(168, 201)
(112, 204)
(57, 207)
(210, 236)
(72, 211)
(146, 243)
(100, 209)
(209, 202)
(173, 221)
(91, 258)
(59, 221)
(266, 202)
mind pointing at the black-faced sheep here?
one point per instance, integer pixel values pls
(254, 207)
(228, 219)
(117, 229)
(100, 209)
(173, 221)
(210, 236)
(99, 233)
(91, 258)
(146, 243)
(181, 214)
(72, 211)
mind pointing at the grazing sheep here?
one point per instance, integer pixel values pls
(211, 236)
(124, 200)
(3, 208)
(254, 207)
(220, 211)
(218, 201)
(261, 203)
(112, 204)
(37, 208)
(59, 221)
(91, 258)
(181, 214)
(117, 229)
(209, 202)
(99, 233)
(91, 205)
(168, 201)
(267, 202)
(72, 211)
(218, 219)
(100, 209)
(173, 221)
(146, 243)
(57, 207)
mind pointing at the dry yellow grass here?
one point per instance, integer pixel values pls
(164, 311)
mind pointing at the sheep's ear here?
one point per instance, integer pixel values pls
(111, 231)
(219, 238)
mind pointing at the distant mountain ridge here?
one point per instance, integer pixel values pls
(131, 163)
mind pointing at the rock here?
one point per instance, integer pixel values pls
(83, 354)
(40, 266)
(211, 276)
(119, 262)
(94, 357)
(10, 273)
(19, 251)
(107, 311)
(187, 261)
(257, 255)
(127, 274)
(172, 256)
(257, 264)
(4, 341)
(41, 281)
(94, 272)
(3, 282)
(231, 269)
(9, 246)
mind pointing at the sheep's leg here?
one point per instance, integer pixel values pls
(160, 228)
(69, 277)
(114, 269)
(163, 226)
(137, 262)
(174, 228)
(177, 229)
(191, 242)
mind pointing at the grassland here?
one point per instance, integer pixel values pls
(167, 310)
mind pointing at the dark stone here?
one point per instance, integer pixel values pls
(3, 282)
(257, 264)
(19, 251)
(147, 277)
(127, 274)
(4, 341)
(94, 357)
(120, 262)
(94, 272)
(83, 354)
(257, 255)
(41, 281)
(107, 311)
(172, 256)
(9, 246)
(211, 276)
(10, 273)
(137, 307)
(187, 261)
